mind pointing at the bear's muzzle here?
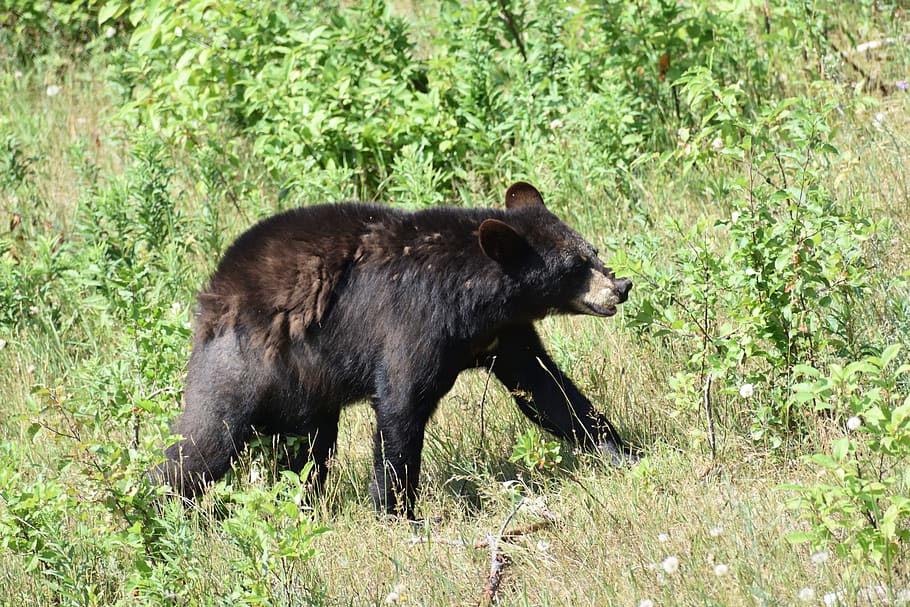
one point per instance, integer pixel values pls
(601, 293)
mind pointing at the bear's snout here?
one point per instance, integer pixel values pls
(601, 293)
(622, 286)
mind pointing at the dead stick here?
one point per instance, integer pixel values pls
(510, 23)
(497, 560)
(507, 536)
(876, 44)
(871, 80)
(515, 533)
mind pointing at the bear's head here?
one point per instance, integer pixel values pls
(550, 264)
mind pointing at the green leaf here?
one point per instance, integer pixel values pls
(800, 537)
(34, 429)
(889, 354)
(111, 10)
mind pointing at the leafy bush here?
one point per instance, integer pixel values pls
(863, 509)
(536, 453)
(270, 531)
(310, 88)
(47, 31)
(776, 283)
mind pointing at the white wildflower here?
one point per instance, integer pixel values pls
(746, 390)
(555, 124)
(854, 422)
(397, 594)
(716, 531)
(646, 603)
(178, 31)
(663, 538)
(721, 570)
(831, 599)
(53, 90)
(543, 546)
(806, 595)
(819, 557)
(110, 32)
(670, 565)
(717, 144)
(878, 119)
(30, 369)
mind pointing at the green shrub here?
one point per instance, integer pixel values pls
(774, 284)
(310, 88)
(861, 508)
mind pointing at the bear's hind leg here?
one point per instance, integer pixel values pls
(397, 446)
(221, 397)
(203, 456)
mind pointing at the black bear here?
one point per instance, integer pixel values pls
(322, 306)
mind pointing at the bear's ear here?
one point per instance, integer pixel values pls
(500, 242)
(521, 194)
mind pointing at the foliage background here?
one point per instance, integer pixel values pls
(745, 162)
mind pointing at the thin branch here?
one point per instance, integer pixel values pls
(876, 44)
(516, 533)
(510, 23)
(484, 543)
(498, 560)
(872, 81)
(712, 440)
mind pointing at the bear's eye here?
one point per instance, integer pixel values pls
(580, 261)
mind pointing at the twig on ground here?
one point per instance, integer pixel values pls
(876, 44)
(870, 80)
(516, 533)
(507, 536)
(498, 560)
(422, 539)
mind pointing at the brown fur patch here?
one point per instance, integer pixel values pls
(278, 279)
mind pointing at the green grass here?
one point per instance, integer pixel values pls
(610, 531)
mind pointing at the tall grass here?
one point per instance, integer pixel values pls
(95, 336)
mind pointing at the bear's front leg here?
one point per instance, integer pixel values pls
(397, 445)
(548, 397)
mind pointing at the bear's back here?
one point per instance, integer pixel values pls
(277, 278)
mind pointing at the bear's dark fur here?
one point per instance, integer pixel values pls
(318, 307)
